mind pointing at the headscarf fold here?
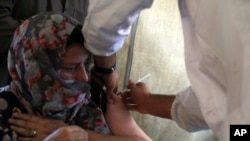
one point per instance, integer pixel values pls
(34, 62)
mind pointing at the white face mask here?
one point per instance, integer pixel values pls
(69, 81)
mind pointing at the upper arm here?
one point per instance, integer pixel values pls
(121, 122)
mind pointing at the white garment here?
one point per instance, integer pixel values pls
(108, 23)
(217, 39)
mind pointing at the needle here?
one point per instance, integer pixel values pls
(139, 80)
(144, 77)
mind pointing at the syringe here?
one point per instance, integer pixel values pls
(144, 77)
(139, 80)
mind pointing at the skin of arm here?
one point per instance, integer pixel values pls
(122, 125)
(159, 105)
(140, 99)
(105, 61)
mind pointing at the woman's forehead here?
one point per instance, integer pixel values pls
(76, 49)
(76, 52)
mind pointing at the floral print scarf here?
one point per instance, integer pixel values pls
(34, 63)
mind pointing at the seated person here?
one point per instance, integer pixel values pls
(50, 69)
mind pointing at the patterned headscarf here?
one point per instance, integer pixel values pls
(34, 61)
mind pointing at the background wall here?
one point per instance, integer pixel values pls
(158, 50)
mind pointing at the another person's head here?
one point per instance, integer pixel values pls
(49, 64)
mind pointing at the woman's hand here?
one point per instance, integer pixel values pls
(33, 127)
(68, 133)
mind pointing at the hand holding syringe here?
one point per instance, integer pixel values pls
(139, 80)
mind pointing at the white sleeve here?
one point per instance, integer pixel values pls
(108, 23)
(186, 111)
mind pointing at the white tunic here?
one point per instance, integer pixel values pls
(217, 53)
(108, 23)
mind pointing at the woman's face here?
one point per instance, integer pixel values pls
(73, 66)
